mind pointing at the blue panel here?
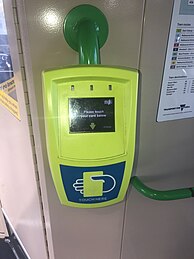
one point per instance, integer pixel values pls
(112, 177)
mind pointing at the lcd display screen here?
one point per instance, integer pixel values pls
(91, 115)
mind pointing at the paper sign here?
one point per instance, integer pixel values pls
(177, 92)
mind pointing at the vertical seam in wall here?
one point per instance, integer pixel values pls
(142, 32)
(123, 227)
(139, 59)
(26, 96)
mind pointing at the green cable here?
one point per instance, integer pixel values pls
(161, 195)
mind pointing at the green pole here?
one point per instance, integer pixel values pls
(161, 195)
(89, 50)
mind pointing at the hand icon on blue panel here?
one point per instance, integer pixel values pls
(79, 185)
(94, 184)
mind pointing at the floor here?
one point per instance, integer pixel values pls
(5, 250)
(10, 247)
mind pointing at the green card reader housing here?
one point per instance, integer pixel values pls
(90, 115)
(90, 118)
(90, 121)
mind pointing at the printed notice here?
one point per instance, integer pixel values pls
(8, 95)
(177, 93)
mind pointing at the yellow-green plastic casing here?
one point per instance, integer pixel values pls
(90, 149)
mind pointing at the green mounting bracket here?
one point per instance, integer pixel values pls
(86, 31)
(161, 195)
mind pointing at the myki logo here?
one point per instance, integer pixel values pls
(94, 184)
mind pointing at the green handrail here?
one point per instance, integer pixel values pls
(89, 50)
(161, 195)
(86, 31)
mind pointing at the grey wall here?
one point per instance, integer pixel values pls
(154, 229)
(148, 229)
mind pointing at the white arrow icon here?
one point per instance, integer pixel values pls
(92, 125)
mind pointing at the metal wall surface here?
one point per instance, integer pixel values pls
(75, 233)
(156, 229)
(18, 184)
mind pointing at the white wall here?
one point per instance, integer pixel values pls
(18, 184)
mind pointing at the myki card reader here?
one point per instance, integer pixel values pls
(90, 120)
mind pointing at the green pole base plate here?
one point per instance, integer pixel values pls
(80, 14)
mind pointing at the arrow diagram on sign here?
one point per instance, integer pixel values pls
(92, 125)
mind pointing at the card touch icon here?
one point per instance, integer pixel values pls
(94, 184)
